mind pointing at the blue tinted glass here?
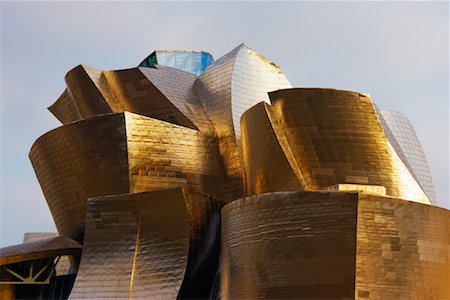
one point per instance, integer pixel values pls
(170, 59)
(161, 58)
(206, 61)
(184, 61)
(194, 62)
(150, 61)
(197, 68)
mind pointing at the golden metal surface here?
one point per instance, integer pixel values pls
(45, 248)
(331, 137)
(334, 245)
(135, 173)
(403, 250)
(228, 87)
(371, 189)
(291, 245)
(163, 93)
(266, 166)
(117, 154)
(159, 244)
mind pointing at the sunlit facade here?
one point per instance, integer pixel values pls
(189, 178)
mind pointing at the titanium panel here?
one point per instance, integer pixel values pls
(178, 87)
(164, 155)
(403, 250)
(334, 245)
(117, 154)
(149, 245)
(291, 245)
(130, 90)
(45, 248)
(84, 159)
(401, 130)
(266, 166)
(228, 87)
(336, 137)
(87, 99)
(64, 109)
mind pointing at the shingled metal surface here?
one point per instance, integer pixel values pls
(334, 245)
(336, 137)
(149, 245)
(228, 87)
(44, 248)
(116, 154)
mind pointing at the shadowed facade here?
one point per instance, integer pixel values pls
(153, 244)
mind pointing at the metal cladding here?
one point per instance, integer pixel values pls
(161, 244)
(117, 154)
(334, 245)
(407, 142)
(333, 136)
(267, 168)
(147, 157)
(45, 248)
(91, 92)
(230, 86)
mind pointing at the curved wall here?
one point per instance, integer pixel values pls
(116, 154)
(292, 245)
(334, 245)
(336, 137)
(149, 245)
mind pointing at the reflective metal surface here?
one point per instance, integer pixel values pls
(45, 248)
(136, 171)
(334, 245)
(402, 250)
(401, 130)
(116, 154)
(231, 85)
(266, 167)
(163, 93)
(158, 245)
(336, 137)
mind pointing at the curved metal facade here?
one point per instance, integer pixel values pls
(145, 154)
(336, 137)
(161, 244)
(403, 133)
(44, 248)
(77, 161)
(117, 154)
(267, 168)
(164, 93)
(230, 86)
(333, 245)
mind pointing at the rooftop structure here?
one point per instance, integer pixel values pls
(191, 61)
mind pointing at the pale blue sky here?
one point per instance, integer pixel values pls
(396, 52)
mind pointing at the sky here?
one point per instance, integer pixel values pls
(398, 52)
